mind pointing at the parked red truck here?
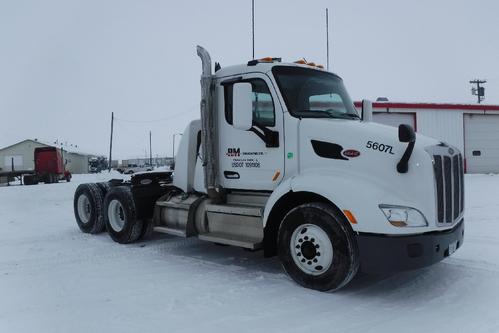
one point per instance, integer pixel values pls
(49, 168)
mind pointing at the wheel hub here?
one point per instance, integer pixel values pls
(116, 215)
(84, 209)
(311, 249)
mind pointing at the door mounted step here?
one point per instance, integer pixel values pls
(171, 231)
(221, 238)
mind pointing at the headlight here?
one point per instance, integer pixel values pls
(400, 216)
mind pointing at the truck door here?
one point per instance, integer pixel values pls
(252, 159)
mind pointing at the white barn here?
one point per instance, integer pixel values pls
(21, 156)
(473, 128)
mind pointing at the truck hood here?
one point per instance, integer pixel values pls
(369, 151)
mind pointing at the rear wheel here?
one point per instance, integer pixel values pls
(120, 215)
(88, 208)
(317, 247)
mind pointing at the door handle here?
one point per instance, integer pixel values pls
(231, 175)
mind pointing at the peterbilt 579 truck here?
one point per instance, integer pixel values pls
(282, 161)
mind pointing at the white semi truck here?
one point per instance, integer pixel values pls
(282, 161)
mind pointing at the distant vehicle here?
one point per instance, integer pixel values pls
(97, 164)
(49, 168)
(134, 168)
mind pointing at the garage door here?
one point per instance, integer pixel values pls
(394, 119)
(481, 143)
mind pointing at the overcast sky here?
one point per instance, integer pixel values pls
(65, 65)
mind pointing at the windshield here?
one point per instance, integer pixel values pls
(310, 93)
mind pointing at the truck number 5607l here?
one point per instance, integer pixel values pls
(380, 147)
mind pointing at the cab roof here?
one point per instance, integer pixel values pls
(260, 67)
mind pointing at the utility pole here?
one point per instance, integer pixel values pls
(327, 39)
(478, 91)
(111, 142)
(150, 149)
(253, 25)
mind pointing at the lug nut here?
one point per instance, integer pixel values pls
(310, 263)
(312, 240)
(315, 260)
(306, 237)
(300, 240)
(303, 260)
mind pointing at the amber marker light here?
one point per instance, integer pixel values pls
(350, 216)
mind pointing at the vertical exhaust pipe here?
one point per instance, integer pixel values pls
(208, 124)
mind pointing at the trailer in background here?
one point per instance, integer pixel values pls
(49, 168)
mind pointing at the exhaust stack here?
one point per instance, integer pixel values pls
(208, 126)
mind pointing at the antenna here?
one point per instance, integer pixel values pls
(327, 39)
(253, 25)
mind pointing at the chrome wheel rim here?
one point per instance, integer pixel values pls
(311, 249)
(84, 208)
(116, 215)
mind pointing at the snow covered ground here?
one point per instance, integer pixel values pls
(53, 278)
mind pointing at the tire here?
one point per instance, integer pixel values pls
(317, 247)
(104, 187)
(120, 215)
(67, 178)
(88, 208)
(147, 229)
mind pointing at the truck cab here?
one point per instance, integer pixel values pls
(281, 160)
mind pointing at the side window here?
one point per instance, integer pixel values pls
(263, 105)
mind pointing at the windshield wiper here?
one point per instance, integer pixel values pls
(348, 115)
(324, 114)
(312, 114)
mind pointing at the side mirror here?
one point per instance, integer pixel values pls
(242, 106)
(406, 133)
(367, 110)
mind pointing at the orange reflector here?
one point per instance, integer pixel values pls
(301, 62)
(266, 59)
(398, 223)
(276, 175)
(350, 216)
(320, 66)
(311, 64)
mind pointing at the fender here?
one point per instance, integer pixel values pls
(360, 194)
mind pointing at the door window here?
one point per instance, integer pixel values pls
(263, 104)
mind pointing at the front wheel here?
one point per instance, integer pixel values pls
(120, 215)
(317, 247)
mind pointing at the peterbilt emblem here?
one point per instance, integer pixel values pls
(451, 151)
(351, 153)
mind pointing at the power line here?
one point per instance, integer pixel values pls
(183, 113)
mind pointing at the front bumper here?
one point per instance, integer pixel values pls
(385, 254)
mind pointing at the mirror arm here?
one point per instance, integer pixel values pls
(270, 137)
(403, 164)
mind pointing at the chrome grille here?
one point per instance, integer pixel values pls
(449, 183)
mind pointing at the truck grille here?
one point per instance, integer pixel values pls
(449, 183)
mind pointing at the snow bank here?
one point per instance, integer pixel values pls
(53, 278)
